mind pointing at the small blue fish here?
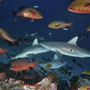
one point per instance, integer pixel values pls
(65, 29)
(36, 6)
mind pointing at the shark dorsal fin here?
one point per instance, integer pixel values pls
(55, 57)
(73, 40)
(35, 42)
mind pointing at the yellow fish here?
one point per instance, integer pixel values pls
(86, 72)
(84, 88)
(59, 24)
(80, 6)
(47, 66)
(88, 29)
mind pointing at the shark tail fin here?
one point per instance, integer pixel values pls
(57, 56)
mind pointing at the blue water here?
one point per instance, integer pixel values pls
(51, 10)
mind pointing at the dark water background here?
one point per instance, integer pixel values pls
(51, 10)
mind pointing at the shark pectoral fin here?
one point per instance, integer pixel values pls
(57, 56)
(48, 66)
(35, 42)
(73, 40)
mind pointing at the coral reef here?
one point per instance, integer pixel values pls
(83, 82)
(79, 83)
(45, 84)
(10, 84)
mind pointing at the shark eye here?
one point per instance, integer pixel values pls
(72, 50)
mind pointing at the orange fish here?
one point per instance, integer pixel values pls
(0, 0)
(3, 51)
(23, 64)
(88, 29)
(80, 6)
(5, 35)
(84, 88)
(28, 12)
(2, 76)
(8, 37)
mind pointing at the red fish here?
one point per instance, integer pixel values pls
(3, 51)
(80, 6)
(8, 37)
(5, 35)
(23, 64)
(28, 12)
(2, 76)
(0, 0)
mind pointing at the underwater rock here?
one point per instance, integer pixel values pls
(85, 76)
(10, 84)
(54, 78)
(73, 81)
(42, 75)
(83, 82)
(48, 83)
(53, 87)
(79, 83)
